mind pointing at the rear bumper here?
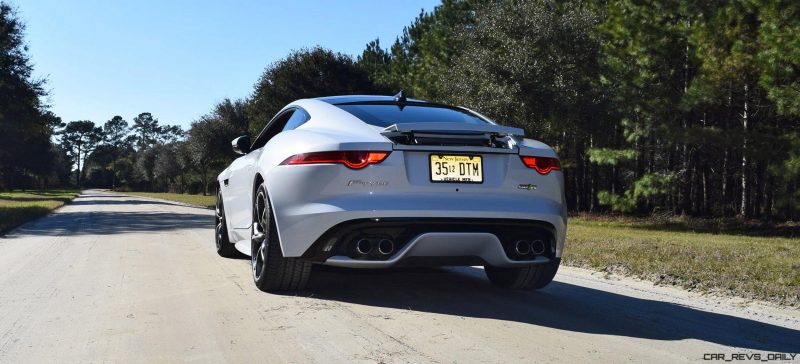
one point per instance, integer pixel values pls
(309, 201)
(434, 242)
(443, 249)
(300, 226)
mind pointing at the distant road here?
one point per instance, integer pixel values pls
(128, 279)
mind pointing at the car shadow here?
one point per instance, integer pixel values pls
(466, 292)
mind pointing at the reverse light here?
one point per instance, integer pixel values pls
(355, 159)
(543, 165)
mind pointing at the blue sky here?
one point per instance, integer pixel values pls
(176, 58)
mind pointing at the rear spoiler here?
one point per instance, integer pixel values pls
(452, 128)
(452, 134)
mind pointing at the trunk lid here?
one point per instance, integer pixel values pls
(439, 156)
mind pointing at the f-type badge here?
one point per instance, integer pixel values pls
(358, 182)
(529, 186)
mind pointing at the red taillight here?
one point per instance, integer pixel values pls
(543, 165)
(354, 159)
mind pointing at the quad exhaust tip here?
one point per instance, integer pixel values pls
(538, 247)
(364, 246)
(523, 247)
(385, 246)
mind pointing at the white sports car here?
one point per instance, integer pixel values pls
(382, 181)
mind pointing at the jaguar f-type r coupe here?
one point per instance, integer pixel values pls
(386, 181)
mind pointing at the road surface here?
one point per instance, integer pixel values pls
(116, 278)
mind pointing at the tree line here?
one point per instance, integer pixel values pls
(655, 107)
(26, 123)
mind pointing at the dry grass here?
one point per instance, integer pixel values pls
(19, 207)
(758, 267)
(198, 200)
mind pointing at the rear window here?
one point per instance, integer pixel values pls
(386, 114)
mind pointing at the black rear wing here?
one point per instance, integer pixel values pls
(439, 128)
(438, 133)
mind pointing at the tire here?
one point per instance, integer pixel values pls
(527, 278)
(224, 246)
(271, 271)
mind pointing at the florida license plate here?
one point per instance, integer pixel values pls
(456, 168)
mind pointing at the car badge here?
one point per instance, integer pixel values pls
(362, 183)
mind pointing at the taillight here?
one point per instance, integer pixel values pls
(354, 159)
(543, 165)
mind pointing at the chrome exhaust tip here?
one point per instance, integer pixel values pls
(523, 247)
(538, 247)
(364, 246)
(385, 246)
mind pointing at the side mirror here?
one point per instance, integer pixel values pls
(241, 145)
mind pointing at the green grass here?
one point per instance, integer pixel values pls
(758, 267)
(199, 200)
(19, 207)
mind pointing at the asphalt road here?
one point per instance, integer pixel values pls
(115, 278)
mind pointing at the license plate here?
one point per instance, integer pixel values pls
(456, 168)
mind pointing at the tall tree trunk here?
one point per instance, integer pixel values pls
(78, 179)
(769, 196)
(759, 190)
(688, 177)
(705, 192)
(725, 182)
(114, 174)
(592, 179)
(205, 181)
(745, 201)
(587, 204)
(792, 209)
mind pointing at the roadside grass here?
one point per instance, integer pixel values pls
(719, 225)
(199, 200)
(19, 207)
(754, 267)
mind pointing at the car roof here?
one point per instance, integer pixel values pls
(358, 98)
